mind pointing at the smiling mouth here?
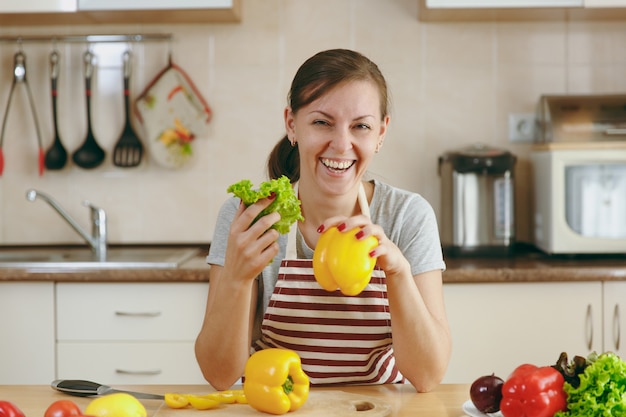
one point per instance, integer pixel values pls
(337, 166)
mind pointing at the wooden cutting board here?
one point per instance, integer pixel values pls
(319, 404)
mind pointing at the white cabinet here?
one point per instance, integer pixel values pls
(90, 12)
(495, 4)
(154, 4)
(27, 332)
(605, 3)
(129, 333)
(615, 317)
(38, 6)
(496, 327)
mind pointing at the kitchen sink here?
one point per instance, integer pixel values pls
(55, 258)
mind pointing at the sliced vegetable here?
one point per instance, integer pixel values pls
(341, 261)
(533, 391)
(202, 403)
(275, 382)
(602, 389)
(286, 202)
(205, 402)
(175, 400)
(229, 397)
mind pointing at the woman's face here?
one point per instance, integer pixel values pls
(338, 135)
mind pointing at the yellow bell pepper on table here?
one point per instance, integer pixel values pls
(274, 381)
(342, 262)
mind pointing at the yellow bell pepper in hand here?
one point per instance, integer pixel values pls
(274, 381)
(341, 261)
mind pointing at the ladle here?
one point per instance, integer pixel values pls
(56, 155)
(90, 154)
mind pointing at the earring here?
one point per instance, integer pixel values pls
(378, 146)
(293, 142)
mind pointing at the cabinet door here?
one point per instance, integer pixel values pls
(130, 363)
(27, 332)
(605, 3)
(38, 6)
(496, 327)
(129, 333)
(130, 311)
(615, 317)
(497, 4)
(153, 4)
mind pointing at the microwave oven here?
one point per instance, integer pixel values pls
(579, 198)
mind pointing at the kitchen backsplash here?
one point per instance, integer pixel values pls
(452, 84)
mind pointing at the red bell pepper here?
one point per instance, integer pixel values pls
(533, 391)
(8, 409)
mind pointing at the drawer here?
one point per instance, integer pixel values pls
(130, 311)
(129, 363)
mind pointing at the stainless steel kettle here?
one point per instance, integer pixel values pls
(477, 201)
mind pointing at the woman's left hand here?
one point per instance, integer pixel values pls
(389, 257)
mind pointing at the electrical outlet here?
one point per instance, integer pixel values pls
(522, 127)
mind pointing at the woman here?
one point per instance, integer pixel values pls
(336, 122)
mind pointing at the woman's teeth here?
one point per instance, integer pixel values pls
(337, 165)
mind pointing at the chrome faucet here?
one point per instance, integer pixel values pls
(98, 238)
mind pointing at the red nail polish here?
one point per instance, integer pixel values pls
(372, 253)
(272, 195)
(341, 227)
(359, 234)
(320, 229)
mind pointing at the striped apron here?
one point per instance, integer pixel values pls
(340, 339)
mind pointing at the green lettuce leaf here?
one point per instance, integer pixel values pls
(286, 202)
(602, 390)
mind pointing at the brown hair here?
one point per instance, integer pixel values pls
(319, 74)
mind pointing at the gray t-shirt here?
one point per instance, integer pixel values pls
(407, 219)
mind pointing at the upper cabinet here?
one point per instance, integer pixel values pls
(38, 6)
(497, 4)
(605, 3)
(521, 10)
(64, 12)
(153, 4)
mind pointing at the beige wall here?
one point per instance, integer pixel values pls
(452, 84)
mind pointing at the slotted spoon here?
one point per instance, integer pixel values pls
(128, 149)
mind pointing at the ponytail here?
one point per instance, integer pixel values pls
(284, 160)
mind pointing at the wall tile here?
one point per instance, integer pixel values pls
(451, 84)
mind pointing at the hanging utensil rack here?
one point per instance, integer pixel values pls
(149, 37)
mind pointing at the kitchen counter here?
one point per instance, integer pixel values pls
(191, 270)
(445, 400)
(526, 265)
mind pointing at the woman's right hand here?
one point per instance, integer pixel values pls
(251, 247)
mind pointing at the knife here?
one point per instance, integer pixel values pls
(82, 388)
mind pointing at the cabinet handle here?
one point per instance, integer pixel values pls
(145, 372)
(589, 327)
(616, 327)
(138, 313)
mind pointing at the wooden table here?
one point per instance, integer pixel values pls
(446, 400)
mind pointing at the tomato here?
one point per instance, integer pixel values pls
(63, 408)
(8, 409)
